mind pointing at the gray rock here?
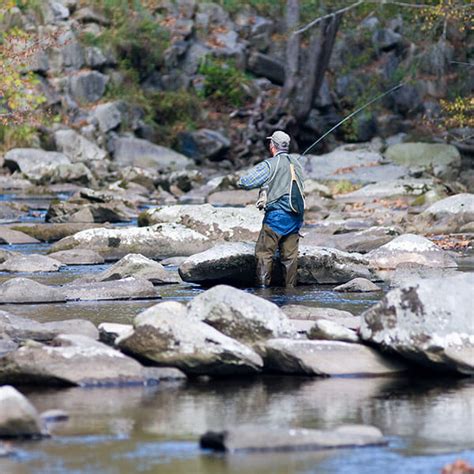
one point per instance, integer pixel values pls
(358, 285)
(331, 331)
(226, 223)
(72, 212)
(326, 358)
(240, 315)
(429, 322)
(94, 57)
(259, 439)
(14, 237)
(165, 374)
(71, 360)
(108, 115)
(109, 332)
(68, 173)
(78, 257)
(385, 39)
(20, 329)
(88, 15)
(76, 147)
(161, 240)
(34, 163)
(87, 86)
(144, 154)
(53, 232)
(23, 290)
(70, 52)
(18, 417)
(410, 248)
(358, 164)
(126, 289)
(138, 266)
(440, 160)
(166, 335)
(264, 65)
(30, 264)
(448, 215)
(298, 311)
(204, 144)
(395, 188)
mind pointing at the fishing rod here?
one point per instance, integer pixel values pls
(375, 99)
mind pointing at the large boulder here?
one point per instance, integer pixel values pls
(71, 212)
(429, 322)
(410, 248)
(162, 240)
(20, 329)
(70, 360)
(240, 315)
(448, 215)
(387, 189)
(217, 223)
(34, 163)
(18, 417)
(137, 266)
(235, 262)
(108, 115)
(259, 439)
(87, 86)
(76, 147)
(78, 257)
(356, 164)
(166, 335)
(10, 236)
(326, 358)
(144, 154)
(30, 264)
(204, 144)
(440, 160)
(23, 290)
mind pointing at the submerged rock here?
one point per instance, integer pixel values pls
(429, 322)
(217, 223)
(71, 360)
(260, 439)
(166, 335)
(18, 417)
(326, 358)
(410, 248)
(240, 315)
(162, 240)
(23, 290)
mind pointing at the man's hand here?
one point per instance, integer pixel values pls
(262, 199)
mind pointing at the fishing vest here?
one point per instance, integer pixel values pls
(280, 176)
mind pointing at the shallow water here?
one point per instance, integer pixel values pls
(428, 422)
(156, 429)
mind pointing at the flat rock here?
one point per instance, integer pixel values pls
(240, 315)
(326, 358)
(161, 240)
(108, 212)
(30, 264)
(11, 237)
(24, 290)
(78, 257)
(167, 336)
(216, 223)
(387, 189)
(20, 329)
(358, 285)
(260, 439)
(237, 197)
(71, 360)
(297, 311)
(18, 417)
(52, 232)
(410, 248)
(428, 321)
(137, 266)
(125, 289)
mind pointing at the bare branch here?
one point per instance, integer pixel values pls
(325, 17)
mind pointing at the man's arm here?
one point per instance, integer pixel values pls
(256, 177)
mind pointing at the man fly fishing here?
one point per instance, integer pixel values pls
(281, 181)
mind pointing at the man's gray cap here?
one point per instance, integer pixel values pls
(280, 139)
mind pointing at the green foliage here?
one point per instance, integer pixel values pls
(17, 136)
(223, 81)
(175, 106)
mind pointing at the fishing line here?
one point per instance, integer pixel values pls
(375, 99)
